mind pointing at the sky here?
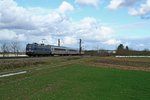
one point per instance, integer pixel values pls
(101, 24)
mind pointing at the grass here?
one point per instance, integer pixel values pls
(122, 63)
(26, 63)
(75, 79)
(136, 62)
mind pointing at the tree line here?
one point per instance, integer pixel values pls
(126, 51)
(120, 50)
(10, 48)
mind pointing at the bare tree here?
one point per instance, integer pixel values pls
(15, 47)
(5, 49)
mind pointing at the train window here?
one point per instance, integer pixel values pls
(73, 50)
(59, 49)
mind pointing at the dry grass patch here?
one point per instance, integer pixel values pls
(121, 63)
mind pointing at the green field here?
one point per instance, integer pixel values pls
(79, 78)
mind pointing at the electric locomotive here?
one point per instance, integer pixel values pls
(36, 49)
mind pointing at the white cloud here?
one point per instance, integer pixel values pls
(141, 45)
(87, 22)
(10, 35)
(26, 23)
(134, 10)
(90, 29)
(107, 31)
(143, 10)
(88, 2)
(68, 40)
(14, 16)
(65, 7)
(112, 42)
(115, 4)
(7, 35)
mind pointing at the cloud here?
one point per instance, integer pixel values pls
(90, 29)
(26, 23)
(134, 10)
(13, 16)
(112, 42)
(115, 4)
(7, 35)
(107, 31)
(87, 22)
(65, 7)
(68, 40)
(11, 35)
(141, 45)
(143, 10)
(88, 2)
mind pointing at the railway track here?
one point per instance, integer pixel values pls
(19, 57)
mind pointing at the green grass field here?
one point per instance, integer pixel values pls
(75, 78)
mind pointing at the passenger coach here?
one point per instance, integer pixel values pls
(36, 49)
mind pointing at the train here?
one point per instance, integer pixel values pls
(36, 49)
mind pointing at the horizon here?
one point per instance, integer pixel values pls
(102, 24)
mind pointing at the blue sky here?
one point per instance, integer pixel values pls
(99, 23)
